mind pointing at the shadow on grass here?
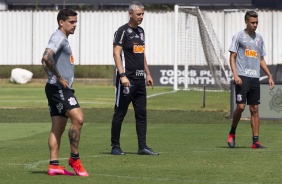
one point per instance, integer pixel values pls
(39, 172)
(126, 153)
(236, 147)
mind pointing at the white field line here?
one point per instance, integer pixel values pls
(82, 102)
(162, 93)
(34, 165)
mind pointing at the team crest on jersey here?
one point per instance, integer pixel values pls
(129, 30)
(71, 59)
(239, 97)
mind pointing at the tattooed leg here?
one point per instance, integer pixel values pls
(74, 138)
(77, 120)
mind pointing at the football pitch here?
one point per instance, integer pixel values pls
(191, 140)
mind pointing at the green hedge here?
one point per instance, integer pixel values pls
(81, 71)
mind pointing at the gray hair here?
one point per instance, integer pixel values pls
(135, 4)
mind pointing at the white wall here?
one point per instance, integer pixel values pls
(227, 23)
(25, 34)
(3, 6)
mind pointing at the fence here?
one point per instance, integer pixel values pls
(25, 34)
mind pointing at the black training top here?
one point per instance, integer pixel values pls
(132, 41)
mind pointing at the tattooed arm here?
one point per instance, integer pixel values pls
(49, 63)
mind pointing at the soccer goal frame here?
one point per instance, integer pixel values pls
(206, 41)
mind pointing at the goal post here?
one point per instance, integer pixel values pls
(197, 42)
(175, 67)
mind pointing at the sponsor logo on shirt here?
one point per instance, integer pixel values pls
(138, 48)
(140, 72)
(251, 53)
(71, 59)
(250, 72)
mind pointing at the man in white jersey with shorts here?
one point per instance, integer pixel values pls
(247, 53)
(58, 63)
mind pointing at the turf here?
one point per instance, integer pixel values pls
(191, 140)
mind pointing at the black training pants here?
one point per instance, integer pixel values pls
(124, 96)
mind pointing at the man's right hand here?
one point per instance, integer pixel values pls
(64, 82)
(124, 81)
(237, 80)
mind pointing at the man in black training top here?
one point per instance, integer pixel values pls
(130, 60)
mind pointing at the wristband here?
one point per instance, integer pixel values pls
(122, 75)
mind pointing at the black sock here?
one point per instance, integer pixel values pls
(233, 130)
(75, 156)
(255, 139)
(54, 162)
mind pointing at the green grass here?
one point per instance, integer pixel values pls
(191, 140)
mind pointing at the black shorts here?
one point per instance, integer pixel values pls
(60, 100)
(249, 91)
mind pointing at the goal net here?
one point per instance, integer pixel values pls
(196, 44)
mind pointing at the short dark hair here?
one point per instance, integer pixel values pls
(64, 14)
(251, 14)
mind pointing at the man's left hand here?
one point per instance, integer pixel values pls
(149, 81)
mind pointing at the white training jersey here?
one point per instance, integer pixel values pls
(249, 50)
(63, 58)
